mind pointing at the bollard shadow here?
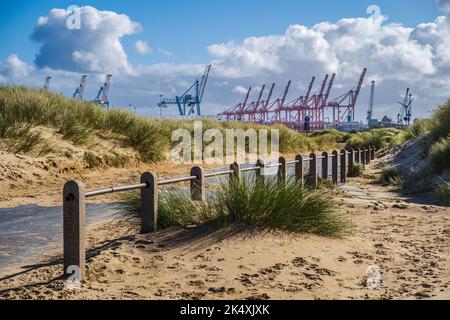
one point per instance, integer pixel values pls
(202, 236)
(58, 261)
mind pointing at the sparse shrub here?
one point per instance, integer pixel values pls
(378, 138)
(390, 176)
(92, 161)
(440, 122)
(440, 155)
(420, 127)
(443, 191)
(356, 170)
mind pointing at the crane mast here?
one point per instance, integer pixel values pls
(79, 92)
(190, 101)
(47, 83)
(102, 95)
(372, 95)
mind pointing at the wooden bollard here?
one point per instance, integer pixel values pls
(299, 169)
(351, 155)
(357, 155)
(74, 217)
(149, 203)
(334, 166)
(312, 179)
(282, 171)
(235, 175)
(325, 165)
(367, 155)
(372, 153)
(259, 172)
(363, 156)
(198, 184)
(343, 166)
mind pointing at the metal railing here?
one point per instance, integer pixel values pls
(74, 194)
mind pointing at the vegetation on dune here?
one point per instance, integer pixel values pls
(268, 205)
(378, 138)
(82, 122)
(356, 170)
(443, 191)
(390, 176)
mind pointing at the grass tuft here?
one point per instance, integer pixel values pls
(357, 170)
(292, 208)
(390, 176)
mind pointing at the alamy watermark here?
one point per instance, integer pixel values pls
(73, 21)
(74, 280)
(212, 146)
(373, 278)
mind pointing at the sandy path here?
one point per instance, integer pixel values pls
(409, 243)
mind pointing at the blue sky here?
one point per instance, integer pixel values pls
(186, 28)
(248, 42)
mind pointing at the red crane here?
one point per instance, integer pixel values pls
(306, 108)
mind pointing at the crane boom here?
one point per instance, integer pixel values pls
(330, 85)
(308, 93)
(203, 82)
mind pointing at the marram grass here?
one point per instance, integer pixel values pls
(268, 205)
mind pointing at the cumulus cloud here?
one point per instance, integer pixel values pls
(141, 47)
(14, 68)
(444, 5)
(94, 47)
(396, 56)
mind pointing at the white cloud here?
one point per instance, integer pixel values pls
(142, 47)
(95, 47)
(14, 68)
(444, 5)
(396, 56)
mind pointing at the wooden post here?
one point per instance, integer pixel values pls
(282, 171)
(350, 161)
(74, 217)
(343, 166)
(198, 185)
(299, 169)
(325, 165)
(372, 153)
(236, 174)
(363, 156)
(259, 172)
(149, 203)
(357, 155)
(334, 166)
(312, 180)
(367, 155)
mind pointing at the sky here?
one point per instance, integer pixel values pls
(155, 48)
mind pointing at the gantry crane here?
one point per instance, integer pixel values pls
(78, 94)
(405, 114)
(189, 103)
(102, 95)
(47, 83)
(370, 110)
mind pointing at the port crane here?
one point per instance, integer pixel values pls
(405, 114)
(189, 102)
(78, 94)
(102, 95)
(47, 83)
(372, 95)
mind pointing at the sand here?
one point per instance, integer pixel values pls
(408, 239)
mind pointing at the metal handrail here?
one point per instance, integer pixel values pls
(176, 180)
(251, 169)
(220, 173)
(115, 189)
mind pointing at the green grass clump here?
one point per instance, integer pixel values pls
(175, 208)
(440, 155)
(378, 138)
(440, 122)
(419, 128)
(443, 191)
(268, 205)
(390, 176)
(356, 170)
